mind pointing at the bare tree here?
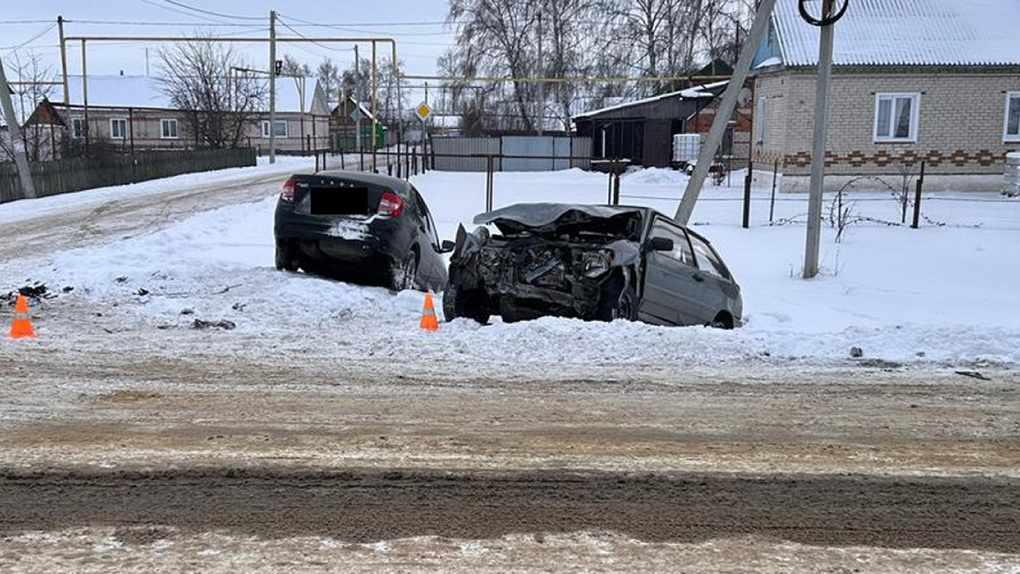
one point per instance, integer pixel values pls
(329, 78)
(34, 83)
(195, 76)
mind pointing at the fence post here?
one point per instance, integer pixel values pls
(917, 198)
(308, 142)
(772, 202)
(399, 176)
(488, 183)
(389, 168)
(343, 165)
(616, 188)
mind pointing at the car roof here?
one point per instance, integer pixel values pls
(379, 179)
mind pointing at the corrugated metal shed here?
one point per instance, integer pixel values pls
(907, 33)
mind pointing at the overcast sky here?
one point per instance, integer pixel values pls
(415, 24)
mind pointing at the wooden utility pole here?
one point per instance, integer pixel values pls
(17, 144)
(272, 86)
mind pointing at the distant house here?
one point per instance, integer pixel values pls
(134, 111)
(343, 126)
(913, 80)
(642, 130)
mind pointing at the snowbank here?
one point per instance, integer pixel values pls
(942, 293)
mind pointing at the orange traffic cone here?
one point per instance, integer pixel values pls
(428, 315)
(21, 328)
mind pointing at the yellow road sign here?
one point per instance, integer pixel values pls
(424, 111)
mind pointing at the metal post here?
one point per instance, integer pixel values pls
(724, 113)
(375, 131)
(85, 95)
(814, 223)
(917, 199)
(616, 188)
(488, 183)
(772, 202)
(63, 60)
(131, 137)
(272, 86)
(541, 91)
(17, 144)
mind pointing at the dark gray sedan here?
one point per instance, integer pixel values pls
(591, 262)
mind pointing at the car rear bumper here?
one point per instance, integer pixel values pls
(342, 245)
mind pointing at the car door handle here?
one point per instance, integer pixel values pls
(698, 277)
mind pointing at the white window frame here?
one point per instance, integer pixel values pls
(123, 135)
(915, 116)
(1006, 136)
(760, 121)
(265, 129)
(163, 123)
(80, 133)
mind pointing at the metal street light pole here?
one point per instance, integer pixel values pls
(272, 86)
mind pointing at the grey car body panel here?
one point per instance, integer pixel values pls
(670, 292)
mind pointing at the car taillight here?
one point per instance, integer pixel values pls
(390, 204)
(287, 194)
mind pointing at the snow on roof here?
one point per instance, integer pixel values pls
(907, 32)
(703, 91)
(147, 92)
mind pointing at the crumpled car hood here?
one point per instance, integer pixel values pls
(544, 217)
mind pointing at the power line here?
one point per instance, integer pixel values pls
(32, 39)
(211, 13)
(176, 11)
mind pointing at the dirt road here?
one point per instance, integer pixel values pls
(128, 447)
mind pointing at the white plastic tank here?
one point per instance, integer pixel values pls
(686, 148)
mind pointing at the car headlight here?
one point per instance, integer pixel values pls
(596, 263)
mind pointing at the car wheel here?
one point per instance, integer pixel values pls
(467, 304)
(286, 258)
(405, 274)
(722, 321)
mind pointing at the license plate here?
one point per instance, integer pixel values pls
(338, 201)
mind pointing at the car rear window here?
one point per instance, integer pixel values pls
(708, 261)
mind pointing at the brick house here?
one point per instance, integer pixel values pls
(133, 111)
(913, 80)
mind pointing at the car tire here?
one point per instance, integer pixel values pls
(286, 258)
(619, 301)
(404, 276)
(468, 304)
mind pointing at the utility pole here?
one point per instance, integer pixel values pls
(272, 86)
(85, 93)
(541, 68)
(358, 98)
(814, 222)
(17, 144)
(724, 113)
(63, 59)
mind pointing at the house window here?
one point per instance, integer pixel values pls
(118, 128)
(1012, 133)
(280, 125)
(77, 128)
(897, 117)
(168, 129)
(760, 110)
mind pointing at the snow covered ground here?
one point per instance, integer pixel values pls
(944, 294)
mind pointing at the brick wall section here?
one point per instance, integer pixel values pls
(960, 130)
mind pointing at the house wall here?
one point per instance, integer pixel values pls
(960, 131)
(146, 129)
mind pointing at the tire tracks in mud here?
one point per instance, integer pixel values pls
(974, 513)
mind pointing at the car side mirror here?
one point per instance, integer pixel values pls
(660, 244)
(447, 246)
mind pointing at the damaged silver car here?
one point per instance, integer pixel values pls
(590, 262)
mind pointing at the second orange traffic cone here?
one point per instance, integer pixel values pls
(21, 328)
(428, 315)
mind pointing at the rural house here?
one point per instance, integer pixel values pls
(642, 131)
(133, 111)
(913, 80)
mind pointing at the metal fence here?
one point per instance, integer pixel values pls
(512, 153)
(78, 173)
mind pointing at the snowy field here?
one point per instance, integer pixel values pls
(944, 294)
